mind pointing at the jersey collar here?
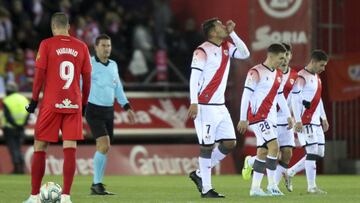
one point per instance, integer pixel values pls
(268, 67)
(309, 71)
(98, 60)
(214, 43)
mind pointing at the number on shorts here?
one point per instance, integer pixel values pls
(208, 129)
(308, 129)
(264, 126)
(67, 73)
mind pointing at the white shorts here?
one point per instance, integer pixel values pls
(213, 123)
(264, 132)
(311, 134)
(285, 136)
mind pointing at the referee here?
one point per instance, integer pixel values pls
(105, 86)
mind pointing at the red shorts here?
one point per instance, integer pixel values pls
(49, 123)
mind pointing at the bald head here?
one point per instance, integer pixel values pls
(59, 23)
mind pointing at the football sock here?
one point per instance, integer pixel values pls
(251, 161)
(310, 168)
(205, 170)
(299, 166)
(216, 157)
(270, 169)
(280, 170)
(37, 171)
(256, 180)
(259, 167)
(69, 167)
(99, 167)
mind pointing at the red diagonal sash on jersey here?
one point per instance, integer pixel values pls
(306, 117)
(288, 85)
(214, 83)
(267, 103)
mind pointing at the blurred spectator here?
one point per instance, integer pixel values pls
(16, 68)
(5, 30)
(139, 29)
(191, 39)
(87, 30)
(143, 40)
(18, 14)
(14, 119)
(37, 10)
(26, 36)
(65, 6)
(114, 28)
(98, 11)
(163, 17)
(137, 66)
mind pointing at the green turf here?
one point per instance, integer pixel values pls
(341, 189)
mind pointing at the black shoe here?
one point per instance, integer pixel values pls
(196, 179)
(212, 194)
(99, 189)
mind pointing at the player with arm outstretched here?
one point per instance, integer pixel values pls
(209, 74)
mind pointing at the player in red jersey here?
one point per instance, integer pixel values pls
(60, 62)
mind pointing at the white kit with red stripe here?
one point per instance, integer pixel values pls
(307, 87)
(288, 79)
(265, 84)
(214, 62)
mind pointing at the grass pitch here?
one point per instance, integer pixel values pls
(341, 189)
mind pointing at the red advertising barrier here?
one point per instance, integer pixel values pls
(281, 21)
(124, 160)
(156, 113)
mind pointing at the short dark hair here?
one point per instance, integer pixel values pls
(287, 46)
(101, 37)
(319, 55)
(276, 48)
(59, 19)
(208, 25)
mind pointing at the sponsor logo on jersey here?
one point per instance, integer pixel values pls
(226, 52)
(66, 104)
(292, 81)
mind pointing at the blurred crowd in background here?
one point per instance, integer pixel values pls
(144, 34)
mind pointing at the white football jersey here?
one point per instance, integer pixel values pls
(265, 91)
(288, 79)
(307, 87)
(214, 62)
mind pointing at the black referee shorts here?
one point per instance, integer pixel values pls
(100, 120)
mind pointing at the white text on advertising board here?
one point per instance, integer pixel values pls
(264, 36)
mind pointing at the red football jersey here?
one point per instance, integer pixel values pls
(64, 59)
